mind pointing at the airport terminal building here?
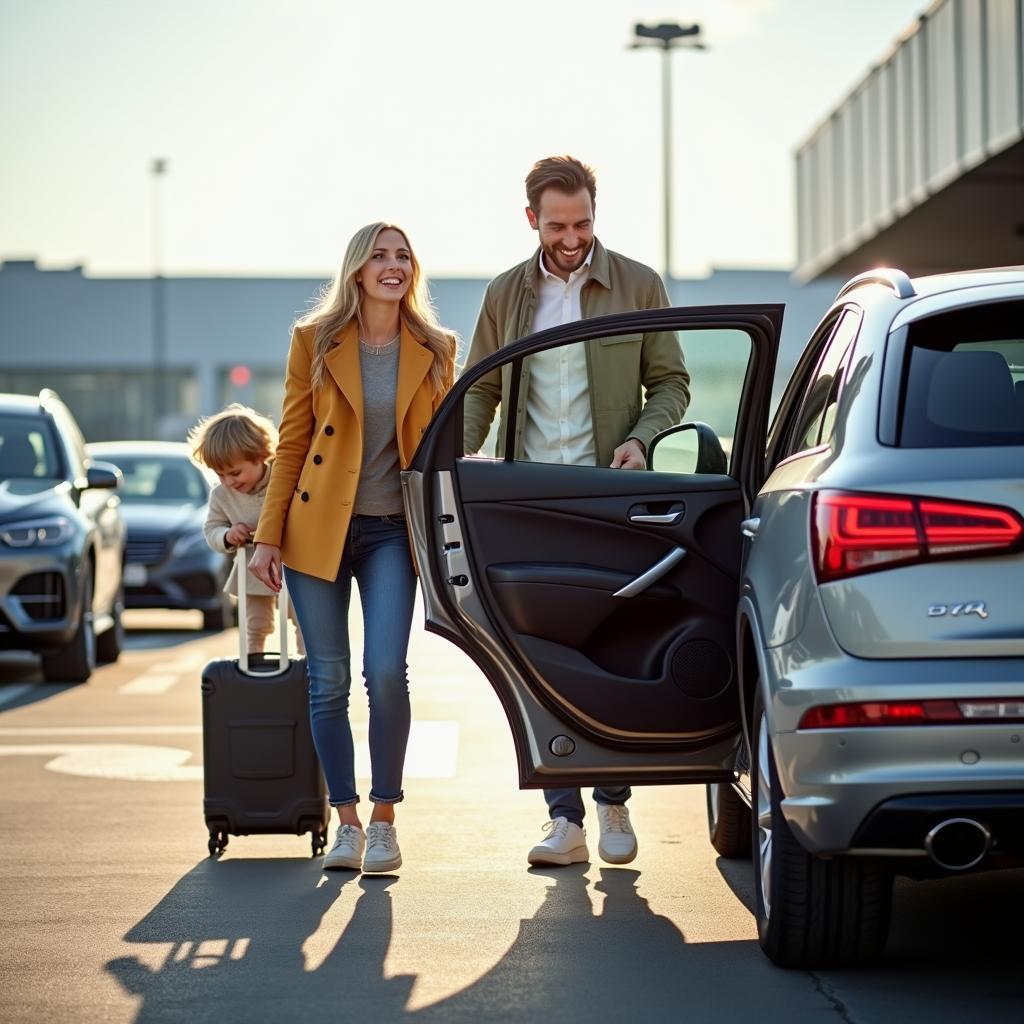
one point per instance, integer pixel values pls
(144, 357)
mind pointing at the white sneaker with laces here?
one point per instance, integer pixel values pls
(617, 844)
(382, 852)
(566, 844)
(347, 851)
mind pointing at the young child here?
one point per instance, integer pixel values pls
(238, 445)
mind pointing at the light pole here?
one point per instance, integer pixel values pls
(667, 37)
(158, 168)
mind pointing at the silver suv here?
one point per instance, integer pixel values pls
(821, 622)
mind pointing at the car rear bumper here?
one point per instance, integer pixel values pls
(834, 779)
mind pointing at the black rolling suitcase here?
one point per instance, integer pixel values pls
(261, 774)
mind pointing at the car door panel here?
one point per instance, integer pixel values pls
(531, 569)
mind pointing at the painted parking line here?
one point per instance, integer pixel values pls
(432, 752)
(102, 730)
(150, 683)
(164, 675)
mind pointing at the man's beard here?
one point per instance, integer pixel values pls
(554, 258)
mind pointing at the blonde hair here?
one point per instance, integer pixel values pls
(233, 434)
(340, 301)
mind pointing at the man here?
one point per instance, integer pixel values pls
(597, 405)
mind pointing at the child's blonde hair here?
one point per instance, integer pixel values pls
(233, 434)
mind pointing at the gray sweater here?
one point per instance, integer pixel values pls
(380, 487)
(226, 508)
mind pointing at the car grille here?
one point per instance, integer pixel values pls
(42, 596)
(145, 548)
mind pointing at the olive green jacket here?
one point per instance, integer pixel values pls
(639, 384)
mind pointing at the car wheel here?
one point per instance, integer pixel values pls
(728, 820)
(221, 617)
(75, 662)
(110, 644)
(811, 911)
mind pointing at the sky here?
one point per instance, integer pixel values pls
(288, 125)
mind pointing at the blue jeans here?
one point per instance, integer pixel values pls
(377, 554)
(568, 803)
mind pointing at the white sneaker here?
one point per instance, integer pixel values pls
(617, 844)
(347, 851)
(382, 852)
(566, 844)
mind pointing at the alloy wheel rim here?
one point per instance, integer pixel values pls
(90, 640)
(713, 804)
(764, 815)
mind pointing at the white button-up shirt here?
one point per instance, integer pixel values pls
(559, 426)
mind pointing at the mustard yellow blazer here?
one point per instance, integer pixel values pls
(320, 452)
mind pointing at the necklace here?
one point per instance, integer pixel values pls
(379, 350)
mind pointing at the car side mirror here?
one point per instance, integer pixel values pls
(689, 448)
(103, 475)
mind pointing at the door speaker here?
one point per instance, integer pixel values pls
(702, 669)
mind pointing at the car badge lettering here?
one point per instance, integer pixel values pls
(962, 608)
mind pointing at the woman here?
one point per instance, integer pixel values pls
(367, 368)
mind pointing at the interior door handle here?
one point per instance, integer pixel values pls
(749, 527)
(668, 519)
(656, 571)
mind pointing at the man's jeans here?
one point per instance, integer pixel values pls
(377, 554)
(568, 803)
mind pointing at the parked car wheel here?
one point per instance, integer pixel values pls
(75, 662)
(728, 821)
(811, 911)
(221, 617)
(110, 644)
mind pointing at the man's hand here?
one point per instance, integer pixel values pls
(629, 455)
(238, 536)
(265, 565)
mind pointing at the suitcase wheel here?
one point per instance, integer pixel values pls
(218, 842)
(319, 841)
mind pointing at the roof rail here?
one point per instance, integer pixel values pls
(897, 280)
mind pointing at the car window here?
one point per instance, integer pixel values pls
(149, 478)
(964, 378)
(815, 420)
(28, 448)
(558, 421)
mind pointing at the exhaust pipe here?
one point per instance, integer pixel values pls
(958, 844)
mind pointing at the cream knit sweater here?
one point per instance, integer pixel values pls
(226, 508)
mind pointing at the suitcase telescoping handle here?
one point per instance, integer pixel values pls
(242, 579)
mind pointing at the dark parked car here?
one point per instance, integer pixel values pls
(168, 563)
(61, 541)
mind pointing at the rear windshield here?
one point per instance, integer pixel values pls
(964, 379)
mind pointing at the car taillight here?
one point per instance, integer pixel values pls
(913, 712)
(855, 533)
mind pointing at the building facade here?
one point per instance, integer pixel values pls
(144, 358)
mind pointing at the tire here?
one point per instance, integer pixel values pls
(221, 617)
(110, 644)
(811, 912)
(75, 662)
(728, 821)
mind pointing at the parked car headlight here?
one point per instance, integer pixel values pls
(40, 533)
(189, 544)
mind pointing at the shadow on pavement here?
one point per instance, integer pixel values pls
(964, 930)
(237, 930)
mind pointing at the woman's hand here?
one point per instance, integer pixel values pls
(265, 565)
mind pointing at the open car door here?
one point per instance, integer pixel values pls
(600, 603)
